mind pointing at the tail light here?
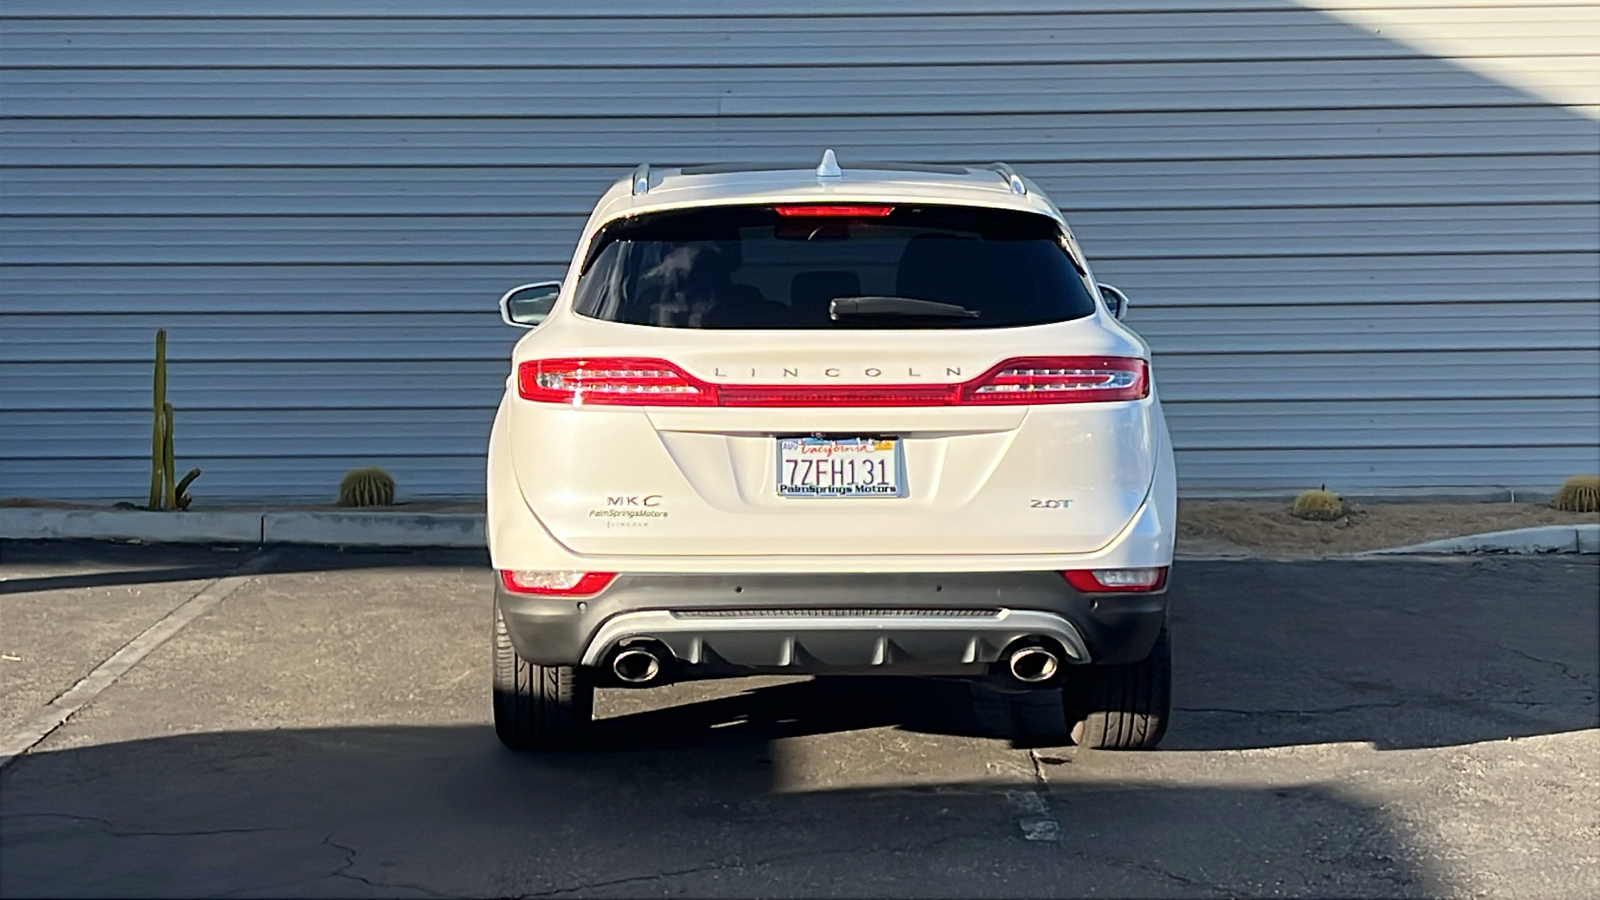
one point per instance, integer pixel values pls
(822, 395)
(561, 584)
(631, 381)
(1101, 581)
(1064, 379)
(623, 381)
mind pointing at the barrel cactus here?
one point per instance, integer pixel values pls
(366, 487)
(1320, 505)
(1581, 493)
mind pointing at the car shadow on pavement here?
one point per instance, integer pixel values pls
(407, 811)
(1398, 654)
(766, 712)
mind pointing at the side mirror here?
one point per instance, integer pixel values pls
(526, 305)
(1117, 300)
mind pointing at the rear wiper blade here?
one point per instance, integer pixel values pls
(852, 307)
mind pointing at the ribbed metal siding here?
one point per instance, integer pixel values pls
(1358, 264)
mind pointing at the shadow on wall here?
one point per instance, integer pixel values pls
(324, 236)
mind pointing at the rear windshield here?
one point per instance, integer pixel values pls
(752, 268)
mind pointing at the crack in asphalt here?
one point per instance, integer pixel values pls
(634, 879)
(1582, 679)
(1534, 703)
(350, 860)
(1043, 787)
(111, 829)
(741, 866)
(1330, 710)
(341, 872)
(1039, 789)
(1038, 770)
(1184, 880)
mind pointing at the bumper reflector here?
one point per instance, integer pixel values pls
(1100, 581)
(561, 584)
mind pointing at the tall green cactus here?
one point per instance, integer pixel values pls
(183, 488)
(165, 491)
(168, 464)
(159, 438)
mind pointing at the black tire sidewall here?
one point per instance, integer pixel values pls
(538, 707)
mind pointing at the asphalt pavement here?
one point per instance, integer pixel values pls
(317, 724)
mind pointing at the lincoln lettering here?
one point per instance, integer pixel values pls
(783, 372)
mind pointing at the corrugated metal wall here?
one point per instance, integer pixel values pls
(1359, 264)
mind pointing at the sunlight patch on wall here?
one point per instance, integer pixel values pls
(1550, 50)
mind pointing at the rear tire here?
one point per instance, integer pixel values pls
(1123, 707)
(538, 707)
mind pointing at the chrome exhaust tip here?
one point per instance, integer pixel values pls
(636, 665)
(1032, 665)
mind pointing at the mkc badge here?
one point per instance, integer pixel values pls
(648, 500)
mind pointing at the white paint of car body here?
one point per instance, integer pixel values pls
(972, 470)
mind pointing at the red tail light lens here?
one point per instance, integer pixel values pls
(624, 381)
(633, 381)
(834, 212)
(559, 584)
(1063, 379)
(1103, 581)
(822, 395)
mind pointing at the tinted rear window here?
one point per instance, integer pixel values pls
(748, 267)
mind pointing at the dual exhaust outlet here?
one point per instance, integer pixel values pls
(646, 663)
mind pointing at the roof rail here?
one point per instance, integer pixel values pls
(641, 180)
(1011, 178)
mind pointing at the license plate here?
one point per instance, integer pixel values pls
(852, 467)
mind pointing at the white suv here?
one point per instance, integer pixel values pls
(879, 420)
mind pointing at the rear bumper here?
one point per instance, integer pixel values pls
(901, 623)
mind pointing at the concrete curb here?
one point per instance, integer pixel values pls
(1544, 539)
(406, 529)
(131, 525)
(1376, 496)
(372, 529)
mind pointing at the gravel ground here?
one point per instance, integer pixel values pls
(1265, 528)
